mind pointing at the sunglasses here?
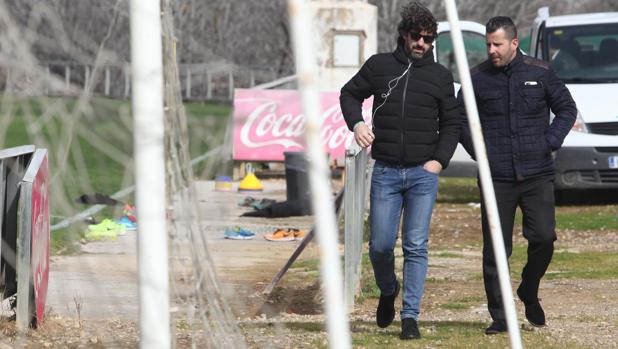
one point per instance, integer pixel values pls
(416, 36)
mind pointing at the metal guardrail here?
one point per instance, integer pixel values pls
(355, 199)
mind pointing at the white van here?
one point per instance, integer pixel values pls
(583, 51)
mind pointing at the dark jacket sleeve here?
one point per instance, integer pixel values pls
(354, 92)
(564, 108)
(450, 121)
(465, 137)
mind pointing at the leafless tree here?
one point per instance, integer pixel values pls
(238, 33)
(523, 13)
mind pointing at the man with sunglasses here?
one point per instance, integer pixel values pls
(514, 94)
(416, 128)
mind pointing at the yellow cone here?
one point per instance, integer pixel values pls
(250, 183)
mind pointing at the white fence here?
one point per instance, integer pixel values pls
(199, 81)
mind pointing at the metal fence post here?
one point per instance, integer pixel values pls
(208, 85)
(107, 80)
(47, 79)
(188, 88)
(86, 76)
(67, 76)
(354, 219)
(230, 86)
(127, 80)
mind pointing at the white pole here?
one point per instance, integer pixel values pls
(319, 175)
(485, 175)
(147, 99)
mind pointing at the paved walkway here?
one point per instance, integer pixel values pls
(102, 280)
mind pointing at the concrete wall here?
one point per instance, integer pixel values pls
(343, 16)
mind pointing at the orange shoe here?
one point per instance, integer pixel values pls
(297, 233)
(279, 235)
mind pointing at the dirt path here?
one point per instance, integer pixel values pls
(96, 292)
(97, 289)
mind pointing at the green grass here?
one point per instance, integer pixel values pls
(583, 218)
(446, 254)
(307, 264)
(435, 334)
(99, 159)
(446, 334)
(600, 218)
(368, 287)
(570, 265)
(458, 190)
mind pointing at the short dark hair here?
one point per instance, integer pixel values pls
(503, 22)
(416, 17)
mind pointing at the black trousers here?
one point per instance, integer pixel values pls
(535, 197)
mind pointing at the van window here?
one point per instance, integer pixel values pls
(583, 54)
(475, 50)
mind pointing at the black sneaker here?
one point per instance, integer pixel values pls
(534, 312)
(409, 329)
(386, 309)
(497, 326)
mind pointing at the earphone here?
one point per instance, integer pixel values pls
(391, 88)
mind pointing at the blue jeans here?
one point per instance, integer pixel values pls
(413, 191)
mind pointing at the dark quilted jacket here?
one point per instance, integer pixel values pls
(514, 106)
(420, 119)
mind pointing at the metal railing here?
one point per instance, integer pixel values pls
(198, 81)
(355, 199)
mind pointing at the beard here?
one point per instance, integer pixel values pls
(418, 51)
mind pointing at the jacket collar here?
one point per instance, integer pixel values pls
(515, 63)
(402, 56)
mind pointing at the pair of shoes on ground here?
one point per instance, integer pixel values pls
(127, 222)
(238, 233)
(289, 234)
(534, 314)
(106, 230)
(385, 314)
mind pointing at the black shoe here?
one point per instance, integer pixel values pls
(409, 329)
(497, 326)
(386, 309)
(534, 312)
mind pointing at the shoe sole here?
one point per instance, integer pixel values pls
(535, 325)
(239, 237)
(491, 333)
(408, 338)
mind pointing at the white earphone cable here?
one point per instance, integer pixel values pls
(390, 89)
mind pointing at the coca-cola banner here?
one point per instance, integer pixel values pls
(270, 122)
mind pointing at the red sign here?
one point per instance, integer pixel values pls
(270, 122)
(40, 237)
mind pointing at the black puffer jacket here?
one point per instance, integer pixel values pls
(513, 106)
(419, 120)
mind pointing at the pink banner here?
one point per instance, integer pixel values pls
(40, 237)
(270, 122)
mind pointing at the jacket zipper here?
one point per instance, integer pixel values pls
(403, 107)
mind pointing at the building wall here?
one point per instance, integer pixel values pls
(332, 17)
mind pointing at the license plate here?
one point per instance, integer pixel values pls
(613, 161)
